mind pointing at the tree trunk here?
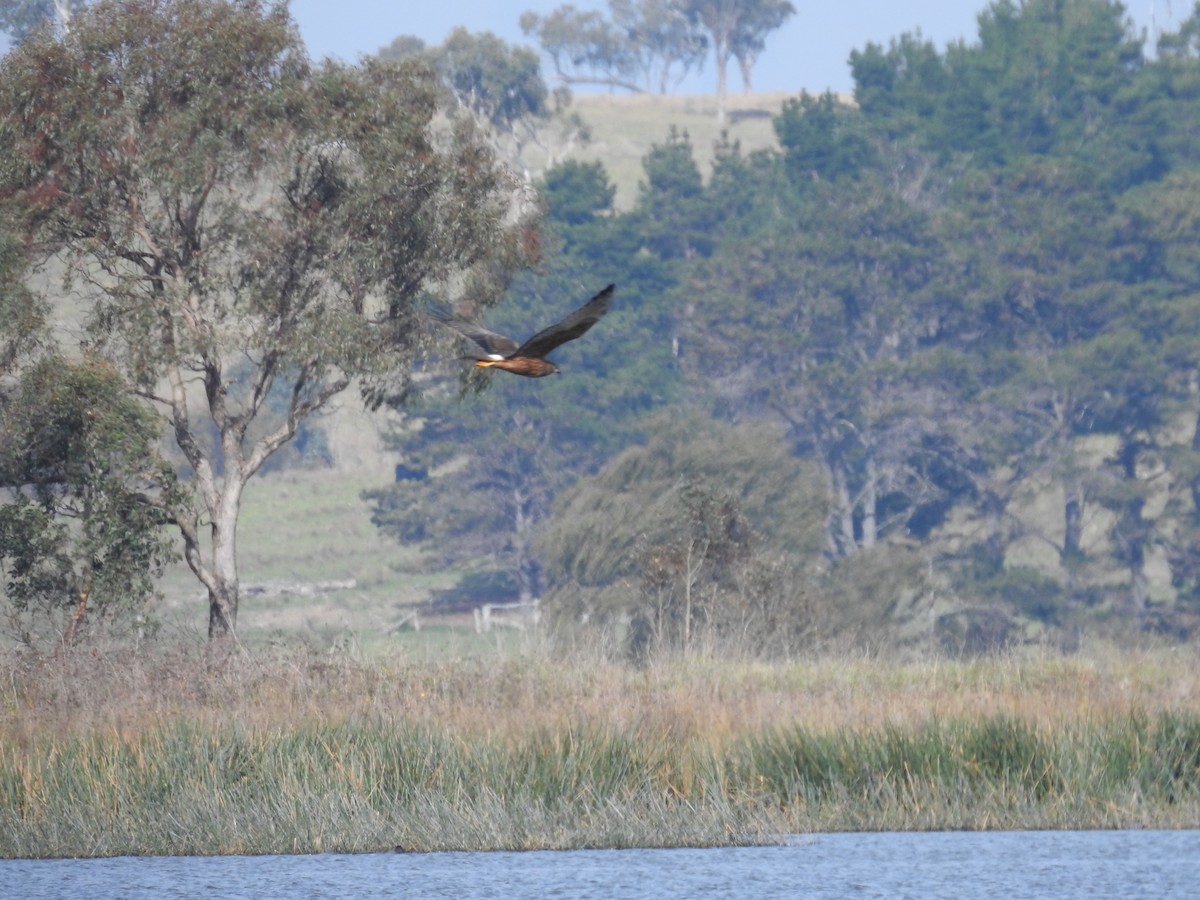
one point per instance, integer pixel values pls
(1195, 486)
(722, 67)
(843, 513)
(745, 63)
(1133, 532)
(81, 606)
(222, 612)
(993, 514)
(1072, 521)
(526, 572)
(224, 587)
(870, 504)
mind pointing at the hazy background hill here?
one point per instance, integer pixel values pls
(624, 128)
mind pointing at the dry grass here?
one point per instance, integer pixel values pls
(287, 750)
(713, 699)
(624, 128)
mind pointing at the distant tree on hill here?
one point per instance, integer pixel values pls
(736, 29)
(500, 85)
(667, 43)
(641, 45)
(584, 47)
(404, 46)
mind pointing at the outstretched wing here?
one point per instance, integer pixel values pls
(569, 328)
(495, 346)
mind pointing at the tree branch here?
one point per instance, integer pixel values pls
(298, 410)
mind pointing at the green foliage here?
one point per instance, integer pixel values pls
(576, 193)
(672, 215)
(818, 138)
(667, 521)
(501, 84)
(816, 316)
(23, 327)
(1046, 77)
(80, 531)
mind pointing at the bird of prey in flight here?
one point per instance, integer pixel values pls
(529, 358)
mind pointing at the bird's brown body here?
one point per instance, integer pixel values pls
(521, 365)
(529, 358)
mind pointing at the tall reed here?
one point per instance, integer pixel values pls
(353, 786)
(304, 753)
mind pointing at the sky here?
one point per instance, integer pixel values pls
(810, 52)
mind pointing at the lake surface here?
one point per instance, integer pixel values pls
(960, 865)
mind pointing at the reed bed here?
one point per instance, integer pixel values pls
(288, 751)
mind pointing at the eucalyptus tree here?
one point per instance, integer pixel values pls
(650, 43)
(584, 47)
(640, 45)
(666, 42)
(736, 29)
(238, 220)
(81, 536)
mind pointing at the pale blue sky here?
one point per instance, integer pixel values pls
(810, 52)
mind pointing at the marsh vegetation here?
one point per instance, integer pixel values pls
(291, 751)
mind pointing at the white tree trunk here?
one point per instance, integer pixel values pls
(62, 9)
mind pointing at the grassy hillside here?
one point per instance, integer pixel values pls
(624, 128)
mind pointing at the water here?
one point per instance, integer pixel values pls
(960, 865)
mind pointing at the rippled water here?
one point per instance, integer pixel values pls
(960, 865)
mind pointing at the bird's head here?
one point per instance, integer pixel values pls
(554, 370)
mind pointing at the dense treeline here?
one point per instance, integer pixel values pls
(965, 303)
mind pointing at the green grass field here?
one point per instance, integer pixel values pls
(312, 564)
